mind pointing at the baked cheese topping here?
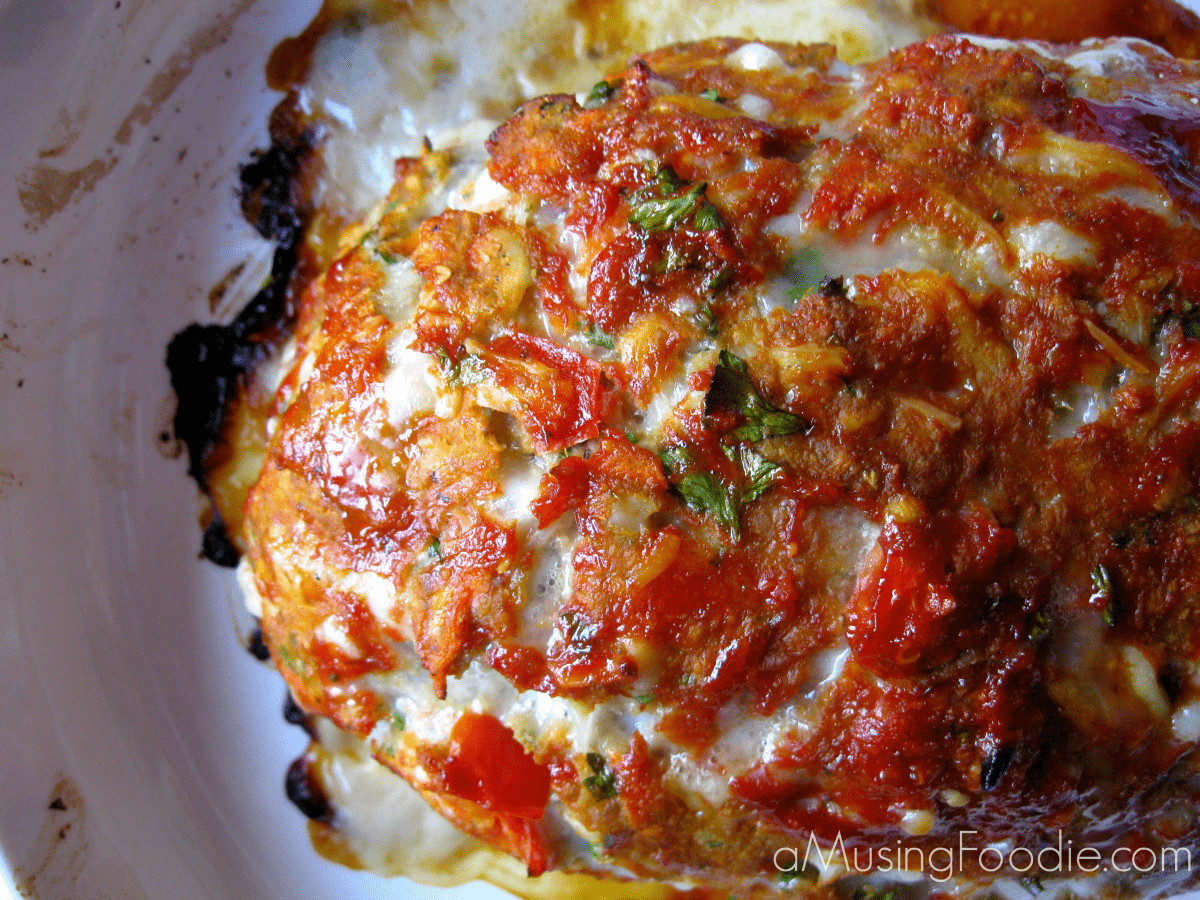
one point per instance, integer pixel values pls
(757, 446)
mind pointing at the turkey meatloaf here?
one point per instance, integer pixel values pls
(758, 452)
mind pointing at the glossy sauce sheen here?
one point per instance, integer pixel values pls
(971, 479)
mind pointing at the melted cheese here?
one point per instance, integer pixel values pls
(384, 87)
(382, 823)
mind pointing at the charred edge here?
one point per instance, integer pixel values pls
(995, 765)
(833, 288)
(294, 715)
(257, 647)
(305, 792)
(207, 363)
(215, 545)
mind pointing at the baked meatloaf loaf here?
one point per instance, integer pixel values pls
(757, 454)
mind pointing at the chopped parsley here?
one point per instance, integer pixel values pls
(706, 318)
(644, 700)
(666, 182)
(805, 271)
(760, 472)
(665, 214)
(732, 388)
(599, 94)
(707, 218)
(704, 493)
(674, 458)
(712, 95)
(720, 281)
(659, 207)
(598, 336)
(1041, 625)
(601, 784)
(398, 721)
(435, 547)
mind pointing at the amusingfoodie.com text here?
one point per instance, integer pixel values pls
(972, 855)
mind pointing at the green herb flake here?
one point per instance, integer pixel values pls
(805, 271)
(601, 784)
(398, 721)
(720, 281)
(712, 95)
(732, 388)
(1041, 625)
(667, 213)
(644, 700)
(666, 182)
(598, 336)
(386, 257)
(704, 493)
(674, 458)
(435, 548)
(599, 94)
(707, 218)
(760, 473)
(706, 318)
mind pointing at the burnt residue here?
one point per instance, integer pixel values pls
(294, 715)
(995, 765)
(208, 363)
(306, 792)
(257, 647)
(215, 544)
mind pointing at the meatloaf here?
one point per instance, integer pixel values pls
(755, 452)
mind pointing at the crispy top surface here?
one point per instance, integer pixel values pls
(834, 430)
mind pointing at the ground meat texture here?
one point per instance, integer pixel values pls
(760, 447)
